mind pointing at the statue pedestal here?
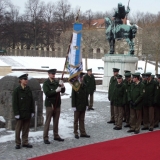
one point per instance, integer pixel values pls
(123, 62)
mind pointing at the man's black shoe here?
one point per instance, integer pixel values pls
(17, 147)
(136, 132)
(117, 128)
(27, 145)
(156, 126)
(85, 135)
(59, 139)
(88, 109)
(151, 129)
(131, 130)
(46, 141)
(76, 136)
(124, 120)
(91, 108)
(111, 122)
(127, 125)
(145, 128)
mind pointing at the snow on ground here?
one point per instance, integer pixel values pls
(2, 119)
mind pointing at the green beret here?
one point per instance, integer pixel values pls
(148, 74)
(158, 75)
(137, 74)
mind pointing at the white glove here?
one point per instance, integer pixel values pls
(86, 108)
(60, 82)
(58, 89)
(17, 116)
(32, 114)
(74, 109)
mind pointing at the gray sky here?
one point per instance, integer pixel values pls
(152, 6)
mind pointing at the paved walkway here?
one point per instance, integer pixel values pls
(96, 126)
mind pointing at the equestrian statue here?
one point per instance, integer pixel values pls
(116, 30)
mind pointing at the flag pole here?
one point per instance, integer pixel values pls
(76, 21)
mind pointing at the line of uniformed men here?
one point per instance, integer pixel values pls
(134, 100)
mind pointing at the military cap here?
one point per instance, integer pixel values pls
(127, 71)
(143, 75)
(53, 71)
(81, 74)
(127, 74)
(116, 70)
(137, 74)
(23, 76)
(90, 69)
(148, 74)
(119, 76)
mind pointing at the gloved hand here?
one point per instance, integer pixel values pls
(32, 115)
(74, 109)
(58, 89)
(17, 116)
(86, 108)
(60, 82)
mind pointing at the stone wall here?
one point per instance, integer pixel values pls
(7, 85)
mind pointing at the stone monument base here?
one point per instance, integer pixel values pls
(123, 62)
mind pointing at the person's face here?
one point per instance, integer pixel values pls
(119, 80)
(51, 75)
(89, 72)
(128, 78)
(134, 79)
(115, 73)
(24, 81)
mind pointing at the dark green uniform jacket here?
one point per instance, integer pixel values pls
(150, 92)
(22, 102)
(90, 82)
(80, 98)
(136, 94)
(119, 95)
(128, 86)
(52, 97)
(112, 83)
(157, 94)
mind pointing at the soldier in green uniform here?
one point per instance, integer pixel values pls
(149, 103)
(112, 83)
(119, 101)
(52, 89)
(90, 82)
(157, 103)
(135, 98)
(79, 106)
(127, 83)
(23, 108)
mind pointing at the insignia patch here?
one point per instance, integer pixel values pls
(143, 90)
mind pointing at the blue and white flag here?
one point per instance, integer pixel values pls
(74, 62)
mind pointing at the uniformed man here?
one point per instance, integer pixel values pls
(52, 89)
(157, 103)
(23, 108)
(135, 98)
(112, 83)
(79, 106)
(119, 101)
(90, 82)
(149, 103)
(127, 83)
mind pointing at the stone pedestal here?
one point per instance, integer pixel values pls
(123, 62)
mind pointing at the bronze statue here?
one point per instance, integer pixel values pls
(115, 29)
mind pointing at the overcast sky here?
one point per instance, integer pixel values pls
(152, 6)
